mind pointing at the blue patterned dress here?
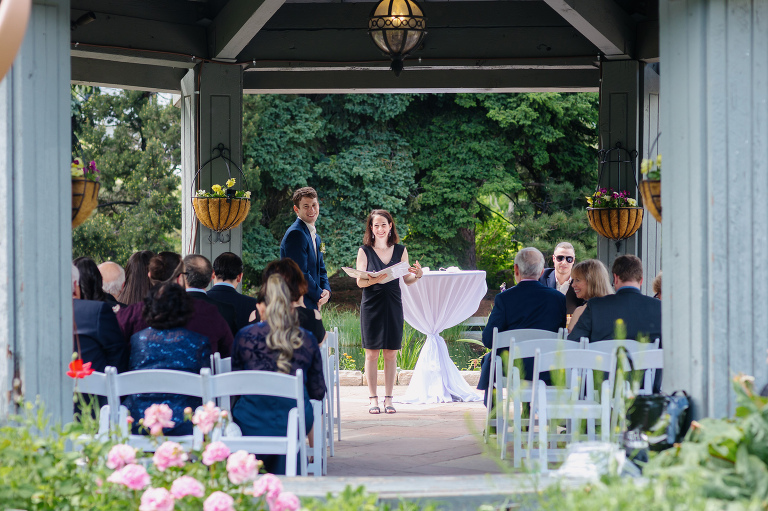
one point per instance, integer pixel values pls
(175, 348)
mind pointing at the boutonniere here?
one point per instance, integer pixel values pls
(322, 248)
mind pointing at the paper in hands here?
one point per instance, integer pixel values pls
(393, 272)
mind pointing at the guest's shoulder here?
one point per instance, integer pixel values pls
(130, 311)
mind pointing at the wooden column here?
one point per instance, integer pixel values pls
(35, 230)
(650, 233)
(714, 92)
(619, 122)
(211, 114)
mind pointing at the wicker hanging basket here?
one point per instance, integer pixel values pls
(85, 198)
(615, 223)
(221, 214)
(651, 192)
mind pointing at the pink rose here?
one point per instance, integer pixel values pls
(157, 417)
(156, 499)
(169, 454)
(286, 501)
(133, 476)
(219, 501)
(206, 417)
(267, 484)
(242, 467)
(186, 485)
(120, 455)
(215, 451)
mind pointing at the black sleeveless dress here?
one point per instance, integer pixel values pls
(381, 311)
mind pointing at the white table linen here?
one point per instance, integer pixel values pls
(440, 300)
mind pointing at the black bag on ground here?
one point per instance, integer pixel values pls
(663, 418)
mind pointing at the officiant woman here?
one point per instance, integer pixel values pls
(381, 311)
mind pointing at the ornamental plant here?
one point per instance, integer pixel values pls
(608, 198)
(80, 171)
(651, 169)
(218, 191)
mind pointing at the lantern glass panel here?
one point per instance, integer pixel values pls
(396, 40)
(378, 38)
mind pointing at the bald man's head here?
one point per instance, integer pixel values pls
(113, 276)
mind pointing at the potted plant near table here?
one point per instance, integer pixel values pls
(85, 190)
(222, 208)
(650, 186)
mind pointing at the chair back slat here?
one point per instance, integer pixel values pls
(262, 383)
(526, 349)
(650, 359)
(96, 384)
(632, 346)
(574, 359)
(165, 381)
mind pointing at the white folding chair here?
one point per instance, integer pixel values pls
(502, 340)
(268, 383)
(647, 361)
(97, 384)
(519, 391)
(566, 404)
(147, 381)
(221, 366)
(327, 401)
(333, 384)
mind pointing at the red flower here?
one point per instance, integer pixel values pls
(79, 370)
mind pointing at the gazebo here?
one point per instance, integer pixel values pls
(710, 103)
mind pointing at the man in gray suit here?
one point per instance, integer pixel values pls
(641, 314)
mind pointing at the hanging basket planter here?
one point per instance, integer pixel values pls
(651, 192)
(85, 198)
(221, 214)
(615, 223)
(224, 207)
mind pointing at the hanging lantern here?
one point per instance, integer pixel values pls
(397, 27)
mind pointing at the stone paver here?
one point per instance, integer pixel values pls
(436, 439)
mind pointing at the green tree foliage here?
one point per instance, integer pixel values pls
(135, 141)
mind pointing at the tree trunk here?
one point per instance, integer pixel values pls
(468, 258)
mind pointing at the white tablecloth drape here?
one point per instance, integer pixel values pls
(438, 301)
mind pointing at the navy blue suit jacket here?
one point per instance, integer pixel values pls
(297, 244)
(101, 339)
(244, 305)
(641, 314)
(530, 304)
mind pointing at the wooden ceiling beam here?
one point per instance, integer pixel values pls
(124, 75)
(602, 22)
(431, 81)
(237, 24)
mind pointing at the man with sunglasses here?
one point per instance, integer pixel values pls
(559, 277)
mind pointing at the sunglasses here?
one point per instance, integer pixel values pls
(567, 258)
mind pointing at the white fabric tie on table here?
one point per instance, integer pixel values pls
(440, 300)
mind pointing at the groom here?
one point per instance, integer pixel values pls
(302, 244)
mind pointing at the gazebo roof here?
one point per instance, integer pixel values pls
(299, 46)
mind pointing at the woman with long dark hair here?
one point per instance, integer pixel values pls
(91, 283)
(166, 344)
(136, 278)
(277, 344)
(381, 311)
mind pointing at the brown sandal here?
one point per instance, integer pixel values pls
(374, 410)
(390, 408)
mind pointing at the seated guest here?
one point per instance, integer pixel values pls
(641, 314)
(136, 281)
(529, 304)
(91, 287)
(227, 275)
(113, 279)
(559, 277)
(657, 286)
(206, 320)
(279, 345)
(589, 279)
(162, 266)
(97, 335)
(309, 319)
(196, 278)
(166, 344)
